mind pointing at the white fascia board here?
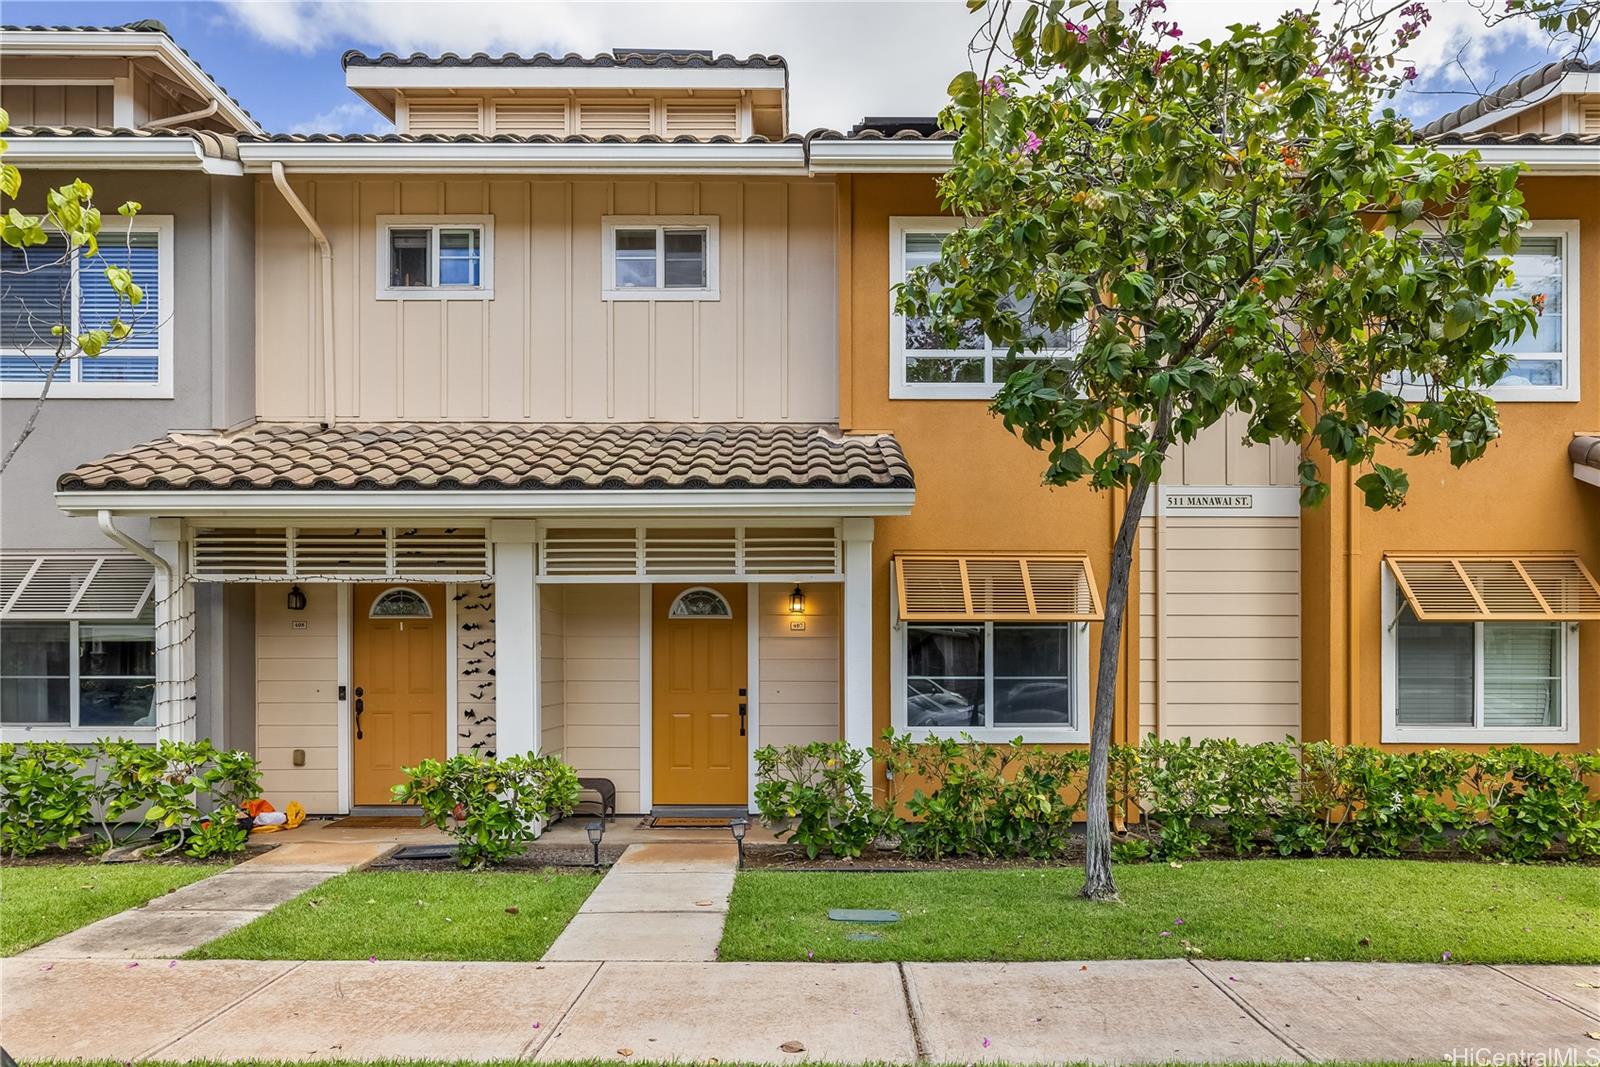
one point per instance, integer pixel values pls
(558, 77)
(1570, 83)
(130, 45)
(1535, 158)
(491, 503)
(116, 153)
(504, 157)
(914, 157)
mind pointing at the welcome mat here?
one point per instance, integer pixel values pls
(684, 821)
(376, 822)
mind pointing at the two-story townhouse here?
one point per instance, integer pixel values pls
(583, 423)
(127, 110)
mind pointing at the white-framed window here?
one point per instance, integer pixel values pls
(1455, 683)
(920, 367)
(1544, 362)
(39, 289)
(659, 257)
(435, 257)
(77, 679)
(992, 680)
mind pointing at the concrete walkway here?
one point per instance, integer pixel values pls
(1118, 1011)
(659, 902)
(202, 911)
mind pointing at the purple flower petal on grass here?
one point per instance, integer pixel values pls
(372, 959)
(1165, 933)
(985, 1042)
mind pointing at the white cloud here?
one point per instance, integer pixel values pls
(353, 117)
(846, 60)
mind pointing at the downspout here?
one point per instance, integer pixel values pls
(165, 650)
(325, 251)
(188, 116)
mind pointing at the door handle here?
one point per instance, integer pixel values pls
(360, 707)
(744, 714)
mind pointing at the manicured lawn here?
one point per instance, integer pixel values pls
(409, 915)
(38, 903)
(1345, 909)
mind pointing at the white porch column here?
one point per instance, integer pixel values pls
(176, 688)
(516, 630)
(857, 637)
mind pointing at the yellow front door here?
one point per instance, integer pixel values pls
(700, 747)
(398, 685)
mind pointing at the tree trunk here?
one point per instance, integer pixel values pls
(1097, 881)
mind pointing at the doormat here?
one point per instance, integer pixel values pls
(376, 822)
(684, 821)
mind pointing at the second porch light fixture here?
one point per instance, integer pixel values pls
(797, 601)
(297, 599)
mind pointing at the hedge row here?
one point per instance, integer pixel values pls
(1179, 799)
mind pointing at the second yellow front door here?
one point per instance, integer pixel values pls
(399, 685)
(699, 722)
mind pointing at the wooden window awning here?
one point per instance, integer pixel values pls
(1497, 588)
(1042, 587)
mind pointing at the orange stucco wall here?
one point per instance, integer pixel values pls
(978, 487)
(1520, 497)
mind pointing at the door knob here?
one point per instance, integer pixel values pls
(744, 714)
(360, 707)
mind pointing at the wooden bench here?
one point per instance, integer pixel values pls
(607, 792)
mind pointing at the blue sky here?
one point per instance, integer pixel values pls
(281, 59)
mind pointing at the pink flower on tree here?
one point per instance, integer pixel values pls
(1032, 144)
(1162, 60)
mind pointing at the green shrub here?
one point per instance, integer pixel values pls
(1005, 801)
(190, 793)
(492, 807)
(818, 795)
(46, 797)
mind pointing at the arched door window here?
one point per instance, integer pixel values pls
(400, 603)
(700, 603)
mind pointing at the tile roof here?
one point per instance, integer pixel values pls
(140, 26)
(216, 145)
(402, 456)
(1509, 93)
(633, 58)
(1516, 139)
(1585, 451)
(503, 138)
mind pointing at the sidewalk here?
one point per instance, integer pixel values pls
(1115, 1011)
(659, 902)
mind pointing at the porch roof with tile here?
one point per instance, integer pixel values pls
(394, 458)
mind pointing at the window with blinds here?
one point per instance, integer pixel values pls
(43, 286)
(1484, 648)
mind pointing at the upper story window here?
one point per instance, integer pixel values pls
(660, 257)
(1544, 363)
(435, 257)
(40, 286)
(920, 366)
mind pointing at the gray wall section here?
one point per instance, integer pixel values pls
(213, 350)
(214, 389)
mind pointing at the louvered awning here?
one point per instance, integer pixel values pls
(73, 586)
(1491, 588)
(1040, 587)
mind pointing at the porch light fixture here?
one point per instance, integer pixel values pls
(797, 601)
(297, 599)
(596, 830)
(737, 826)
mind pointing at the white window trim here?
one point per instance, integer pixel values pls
(899, 387)
(1394, 733)
(1044, 735)
(160, 389)
(72, 731)
(1571, 390)
(1572, 303)
(610, 224)
(485, 227)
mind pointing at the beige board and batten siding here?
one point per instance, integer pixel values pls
(547, 347)
(1219, 600)
(798, 668)
(1567, 113)
(58, 105)
(600, 685)
(297, 679)
(552, 670)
